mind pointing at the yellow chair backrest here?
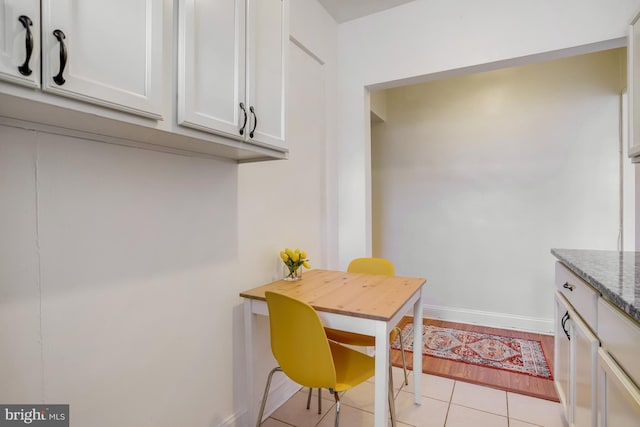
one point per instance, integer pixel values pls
(372, 266)
(299, 343)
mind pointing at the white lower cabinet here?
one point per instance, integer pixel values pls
(618, 396)
(562, 353)
(576, 350)
(596, 357)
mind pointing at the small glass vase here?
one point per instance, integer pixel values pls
(291, 274)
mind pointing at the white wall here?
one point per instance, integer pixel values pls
(430, 39)
(120, 268)
(475, 178)
(117, 280)
(285, 204)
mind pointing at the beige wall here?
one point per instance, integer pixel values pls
(431, 39)
(475, 178)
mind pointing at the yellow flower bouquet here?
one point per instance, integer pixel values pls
(294, 260)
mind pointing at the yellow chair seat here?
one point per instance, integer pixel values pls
(352, 367)
(351, 338)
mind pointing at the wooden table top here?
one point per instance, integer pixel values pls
(361, 295)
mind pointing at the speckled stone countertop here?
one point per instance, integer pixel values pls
(616, 275)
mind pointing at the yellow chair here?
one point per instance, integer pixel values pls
(369, 266)
(304, 354)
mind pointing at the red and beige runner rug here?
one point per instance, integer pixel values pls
(466, 364)
(488, 350)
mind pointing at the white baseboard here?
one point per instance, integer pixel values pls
(281, 390)
(491, 319)
(236, 420)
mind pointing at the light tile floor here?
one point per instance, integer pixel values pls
(445, 403)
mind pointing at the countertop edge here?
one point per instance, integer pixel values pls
(607, 294)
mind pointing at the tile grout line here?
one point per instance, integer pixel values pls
(446, 416)
(506, 397)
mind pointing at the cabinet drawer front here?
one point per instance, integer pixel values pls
(580, 295)
(618, 397)
(620, 337)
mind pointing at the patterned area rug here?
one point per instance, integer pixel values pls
(494, 351)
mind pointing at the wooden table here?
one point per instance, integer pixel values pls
(362, 303)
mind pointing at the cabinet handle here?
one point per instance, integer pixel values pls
(58, 34)
(563, 322)
(568, 286)
(244, 123)
(255, 121)
(26, 23)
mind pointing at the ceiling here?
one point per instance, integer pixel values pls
(346, 10)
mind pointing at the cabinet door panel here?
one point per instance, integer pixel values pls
(562, 355)
(266, 56)
(584, 373)
(211, 65)
(619, 397)
(114, 52)
(620, 335)
(13, 35)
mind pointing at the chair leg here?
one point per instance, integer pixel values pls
(337, 398)
(404, 362)
(392, 400)
(319, 400)
(266, 393)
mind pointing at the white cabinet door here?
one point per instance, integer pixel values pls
(618, 397)
(105, 52)
(211, 66)
(584, 351)
(267, 44)
(562, 351)
(576, 350)
(20, 41)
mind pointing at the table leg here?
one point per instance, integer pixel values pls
(249, 318)
(417, 347)
(381, 402)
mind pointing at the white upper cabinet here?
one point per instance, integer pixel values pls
(231, 69)
(20, 41)
(107, 69)
(105, 52)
